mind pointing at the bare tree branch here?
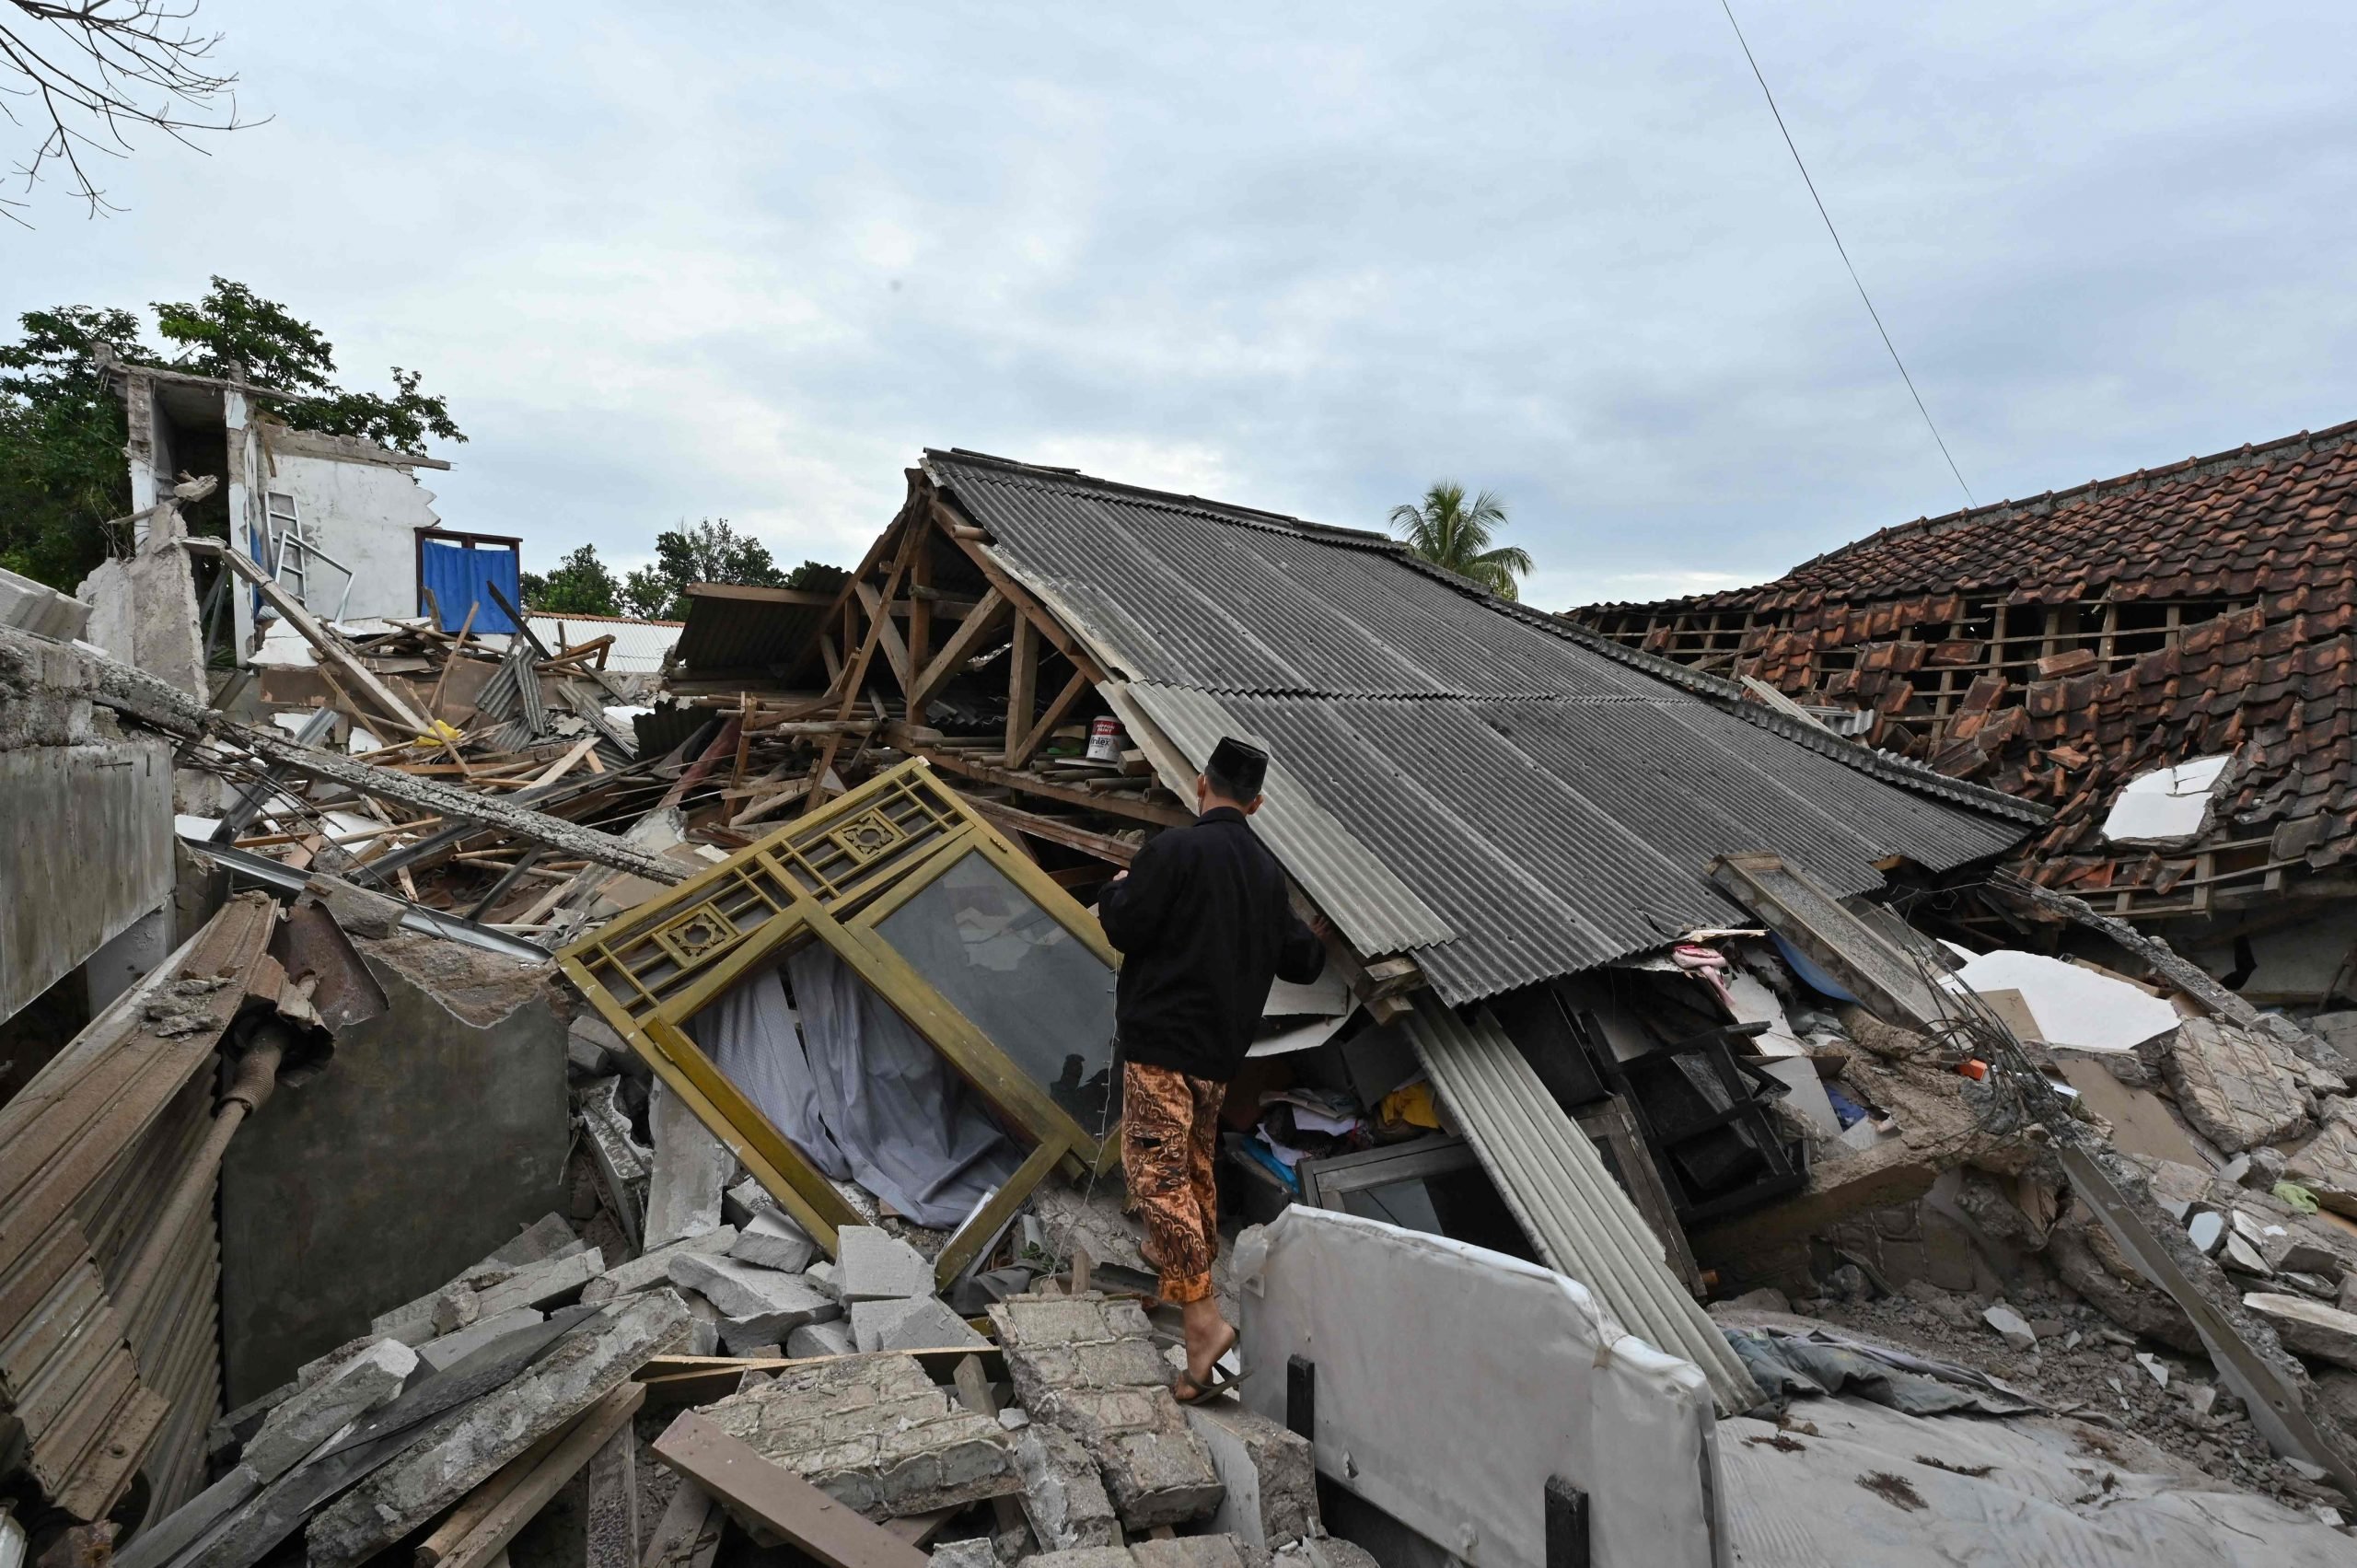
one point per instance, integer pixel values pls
(92, 71)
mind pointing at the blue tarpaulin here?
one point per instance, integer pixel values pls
(456, 573)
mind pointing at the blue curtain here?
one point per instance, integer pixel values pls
(457, 573)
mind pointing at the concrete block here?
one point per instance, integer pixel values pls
(773, 1241)
(974, 1553)
(876, 1434)
(2308, 1328)
(1091, 1366)
(819, 1339)
(923, 1324)
(1085, 1557)
(310, 1417)
(551, 1236)
(690, 1168)
(743, 1201)
(703, 1324)
(1189, 1551)
(1270, 1472)
(744, 1336)
(747, 1290)
(458, 1454)
(651, 1268)
(2328, 1166)
(553, 1281)
(825, 1278)
(450, 1349)
(37, 608)
(872, 1264)
(1063, 1496)
(2237, 1088)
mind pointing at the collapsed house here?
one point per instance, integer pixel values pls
(2163, 660)
(576, 1122)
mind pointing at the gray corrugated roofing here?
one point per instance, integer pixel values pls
(732, 628)
(1552, 1179)
(1377, 911)
(1552, 803)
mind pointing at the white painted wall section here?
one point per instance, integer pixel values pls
(2167, 804)
(366, 516)
(1453, 1381)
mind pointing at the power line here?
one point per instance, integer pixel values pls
(1844, 249)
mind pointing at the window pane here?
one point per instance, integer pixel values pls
(1032, 986)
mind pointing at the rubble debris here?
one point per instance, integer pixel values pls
(1269, 1474)
(1090, 1365)
(923, 1323)
(1063, 1496)
(691, 1169)
(2011, 1327)
(873, 1431)
(653, 1267)
(875, 1265)
(2234, 1087)
(751, 1296)
(2309, 1328)
(315, 1413)
(773, 1241)
(2327, 1166)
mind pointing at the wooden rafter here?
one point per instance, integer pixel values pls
(1019, 755)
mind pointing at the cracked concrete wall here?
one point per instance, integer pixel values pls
(367, 515)
(437, 1130)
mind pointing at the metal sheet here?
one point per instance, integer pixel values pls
(1363, 897)
(1552, 1179)
(733, 629)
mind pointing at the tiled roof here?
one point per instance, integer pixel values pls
(1553, 799)
(2256, 551)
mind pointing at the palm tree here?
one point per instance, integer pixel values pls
(1456, 537)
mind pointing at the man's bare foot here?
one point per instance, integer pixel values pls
(1209, 1337)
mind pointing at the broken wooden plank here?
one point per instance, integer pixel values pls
(831, 1532)
(476, 1506)
(963, 645)
(523, 1502)
(1014, 820)
(689, 1533)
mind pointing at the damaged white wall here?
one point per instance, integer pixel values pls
(361, 505)
(1453, 1381)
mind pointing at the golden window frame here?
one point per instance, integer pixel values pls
(832, 877)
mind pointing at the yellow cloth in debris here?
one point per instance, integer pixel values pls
(443, 730)
(1411, 1105)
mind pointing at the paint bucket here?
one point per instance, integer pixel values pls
(1105, 740)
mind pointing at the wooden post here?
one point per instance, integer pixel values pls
(1022, 682)
(1567, 1529)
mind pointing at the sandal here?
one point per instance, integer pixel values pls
(1203, 1391)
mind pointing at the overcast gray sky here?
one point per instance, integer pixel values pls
(745, 261)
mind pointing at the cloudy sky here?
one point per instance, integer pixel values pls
(747, 259)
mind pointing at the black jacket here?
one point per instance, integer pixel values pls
(1204, 926)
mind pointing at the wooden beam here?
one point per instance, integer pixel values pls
(896, 652)
(286, 604)
(564, 764)
(476, 1506)
(1014, 820)
(533, 1491)
(1022, 686)
(854, 673)
(1016, 756)
(918, 608)
(1112, 805)
(1023, 598)
(833, 1532)
(961, 646)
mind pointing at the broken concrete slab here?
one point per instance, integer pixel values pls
(1086, 1557)
(2237, 1088)
(773, 1241)
(825, 1278)
(820, 1339)
(368, 1381)
(651, 1268)
(1271, 1473)
(1063, 1495)
(743, 1201)
(2011, 1327)
(2308, 1328)
(927, 1323)
(703, 1324)
(874, 1433)
(451, 1349)
(1092, 1367)
(620, 1160)
(976, 1552)
(1188, 1551)
(872, 1264)
(460, 1452)
(689, 1169)
(749, 1290)
(161, 1541)
(2328, 1166)
(553, 1281)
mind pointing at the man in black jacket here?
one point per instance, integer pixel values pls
(1203, 925)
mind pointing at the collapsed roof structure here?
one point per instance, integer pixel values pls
(765, 1014)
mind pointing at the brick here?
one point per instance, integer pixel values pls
(774, 1241)
(1270, 1472)
(651, 1268)
(876, 1434)
(746, 1290)
(1091, 1367)
(925, 1324)
(872, 1264)
(1063, 1495)
(311, 1416)
(2234, 1085)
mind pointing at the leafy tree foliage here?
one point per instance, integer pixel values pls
(581, 585)
(1456, 537)
(62, 429)
(708, 551)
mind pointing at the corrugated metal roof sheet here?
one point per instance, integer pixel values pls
(1550, 803)
(1376, 910)
(639, 645)
(732, 628)
(1552, 1179)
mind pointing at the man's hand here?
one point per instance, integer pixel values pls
(1122, 875)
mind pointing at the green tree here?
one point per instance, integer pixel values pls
(581, 585)
(708, 551)
(61, 473)
(1459, 537)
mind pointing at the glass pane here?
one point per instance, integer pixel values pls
(1032, 986)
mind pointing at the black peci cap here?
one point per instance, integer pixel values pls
(1239, 766)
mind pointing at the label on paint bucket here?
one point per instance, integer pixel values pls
(1105, 740)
